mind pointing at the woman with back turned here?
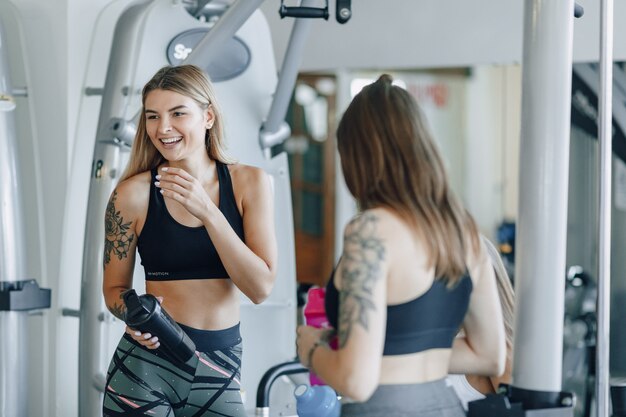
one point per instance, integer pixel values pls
(412, 273)
(203, 227)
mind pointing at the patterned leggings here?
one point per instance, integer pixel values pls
(143, 382)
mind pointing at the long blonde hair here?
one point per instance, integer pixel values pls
(389, 159)
(505, 291)
(190, 81)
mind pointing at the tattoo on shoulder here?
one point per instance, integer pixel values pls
(360, 265)
(117, 237)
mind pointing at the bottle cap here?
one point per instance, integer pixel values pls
(137, 312)
(315, 301)
(300, 390)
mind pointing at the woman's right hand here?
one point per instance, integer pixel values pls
(145, 339)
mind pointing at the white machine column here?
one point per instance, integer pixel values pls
(544, 165)
(542, 222)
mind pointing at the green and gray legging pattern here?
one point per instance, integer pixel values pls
(144, 382)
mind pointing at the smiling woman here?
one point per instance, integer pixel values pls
(203, 226)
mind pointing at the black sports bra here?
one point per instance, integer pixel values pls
(172, 251)
(429, 321)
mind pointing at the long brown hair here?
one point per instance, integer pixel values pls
(389, 159)
(190, 81)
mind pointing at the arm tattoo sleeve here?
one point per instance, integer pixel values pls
(117, 238)
(360, 267)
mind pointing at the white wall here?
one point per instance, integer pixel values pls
(433, 33)
(493, 110)
(409, 34)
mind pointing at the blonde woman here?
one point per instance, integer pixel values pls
(413, 270)
(203, 227)
(475, 387)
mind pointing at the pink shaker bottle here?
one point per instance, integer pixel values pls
(315, 315)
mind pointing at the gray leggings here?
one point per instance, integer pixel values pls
(430, 399)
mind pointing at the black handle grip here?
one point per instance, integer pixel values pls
(343, 11)
(304, 12)
(579, 11)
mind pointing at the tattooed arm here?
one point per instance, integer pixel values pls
(354, 369)
(120, 242)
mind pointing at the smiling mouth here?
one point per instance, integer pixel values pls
(171, 141)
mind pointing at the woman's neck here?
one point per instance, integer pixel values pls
(201, 168)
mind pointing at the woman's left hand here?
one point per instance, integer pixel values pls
(305, 339)
(180, 186)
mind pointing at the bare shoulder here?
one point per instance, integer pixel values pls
(384, 222)
(477, 259)
(248, 179)
(364, 243)
(246, 173)
(132, 195)
(376, 227)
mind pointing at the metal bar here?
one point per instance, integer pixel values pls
(94, 91)
(275, 130)
(605, 118)
(544, 165)
(70, 312)
(224, 29)
(20, 92)
(265, 384)
(107, 163)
